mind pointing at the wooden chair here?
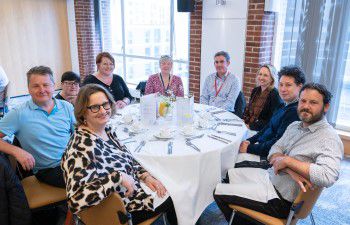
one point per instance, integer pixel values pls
(40, 194)
(111, 211)
(301, 208)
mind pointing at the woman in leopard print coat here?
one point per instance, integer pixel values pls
(96, 164)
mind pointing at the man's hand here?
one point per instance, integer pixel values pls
(275, 155)
(120, 104)
(279, 163)
(301, 181)
(155, 185)
(244, 146)
(129, 183)
(26, 160)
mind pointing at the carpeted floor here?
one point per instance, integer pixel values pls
(332, 208)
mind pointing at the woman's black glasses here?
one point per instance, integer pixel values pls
(96, 108)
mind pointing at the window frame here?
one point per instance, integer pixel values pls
(123, 53)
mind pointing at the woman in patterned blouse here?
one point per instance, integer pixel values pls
(95, 164)
(164, 82)
(264, 100)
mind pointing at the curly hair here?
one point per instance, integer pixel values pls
(293, 71)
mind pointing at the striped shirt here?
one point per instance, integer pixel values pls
(318, 144)
(228, 94)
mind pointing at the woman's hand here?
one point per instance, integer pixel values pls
(155, 185)
(120, 104)
(129, 183)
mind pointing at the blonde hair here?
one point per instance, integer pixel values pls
(82, 102)
(273, 74)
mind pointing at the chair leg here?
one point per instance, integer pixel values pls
(312, 219)
(232, 215)
(164, 219)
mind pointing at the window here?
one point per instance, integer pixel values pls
(316, 36)
(137, 33)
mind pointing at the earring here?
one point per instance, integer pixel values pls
(84, 122)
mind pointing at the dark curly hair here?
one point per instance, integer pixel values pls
(327, 96)
(293, 71)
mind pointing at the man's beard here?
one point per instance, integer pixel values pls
(313, 118)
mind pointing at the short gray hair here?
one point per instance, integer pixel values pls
(224, 54)
(164, 58)
(40, 70)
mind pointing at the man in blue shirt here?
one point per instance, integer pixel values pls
(291, 80)
(221, 88)
(42, 125)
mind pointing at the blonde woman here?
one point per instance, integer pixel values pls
(264, 99)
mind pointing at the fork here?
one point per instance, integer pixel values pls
(139, 147)
(190, 144)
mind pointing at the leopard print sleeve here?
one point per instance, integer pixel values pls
(85, 184)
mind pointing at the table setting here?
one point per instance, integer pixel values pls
(188, 156)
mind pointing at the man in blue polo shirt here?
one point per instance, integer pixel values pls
(42, 125)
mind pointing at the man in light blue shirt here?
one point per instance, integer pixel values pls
(222, 88)
(42, 125)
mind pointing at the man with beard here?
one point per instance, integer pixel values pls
(309, 152)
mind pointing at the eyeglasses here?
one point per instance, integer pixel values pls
(76, 84)
(96, 108)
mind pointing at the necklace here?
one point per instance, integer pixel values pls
(161, 78)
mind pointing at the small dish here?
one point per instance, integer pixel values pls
(161, 136)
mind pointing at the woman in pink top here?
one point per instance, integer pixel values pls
(164, 82)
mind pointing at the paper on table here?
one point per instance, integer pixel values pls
(184, 111)
(148, 109)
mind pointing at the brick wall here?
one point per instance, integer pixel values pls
(259, 41)
(88, 35)
(195, 50)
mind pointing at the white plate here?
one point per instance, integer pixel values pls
(162, 137)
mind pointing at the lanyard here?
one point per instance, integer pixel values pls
(215, 85)
(161, 78)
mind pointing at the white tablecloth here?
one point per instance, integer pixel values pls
(189, 176)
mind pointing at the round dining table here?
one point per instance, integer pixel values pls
(188, 166)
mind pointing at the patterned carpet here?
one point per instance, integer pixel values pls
(332, 208)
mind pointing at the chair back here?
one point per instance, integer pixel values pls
(240, 105)
(110, 211)
(305, 201)
(141, 87)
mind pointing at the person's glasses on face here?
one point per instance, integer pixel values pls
(96, 108)
(71, 83)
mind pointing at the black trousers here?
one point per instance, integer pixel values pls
(52, 176)
(275, 207)
(166, 207)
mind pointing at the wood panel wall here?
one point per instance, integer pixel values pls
(32, 33)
